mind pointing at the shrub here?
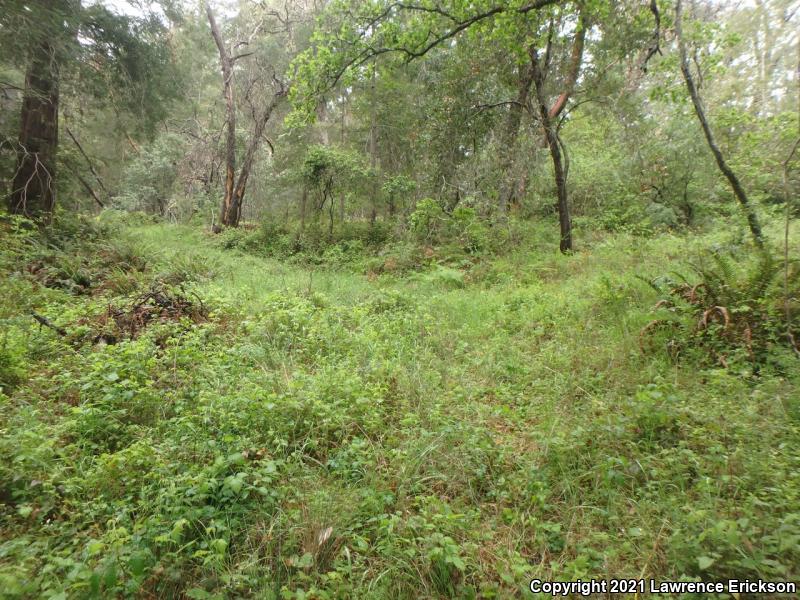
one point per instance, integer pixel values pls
(432, 225)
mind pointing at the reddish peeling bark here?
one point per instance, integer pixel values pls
(33, 193)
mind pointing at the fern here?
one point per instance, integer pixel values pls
(736, 301)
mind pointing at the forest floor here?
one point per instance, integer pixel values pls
(209, 423)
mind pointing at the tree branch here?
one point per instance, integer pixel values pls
(576, 59)
(88, 162)
(370, 52)
(655, 48)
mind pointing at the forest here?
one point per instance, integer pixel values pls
(408, 299)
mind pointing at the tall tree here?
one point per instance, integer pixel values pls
(109, 55)
(33, 192)
(231, 209)
(228, 212)
(699, 109)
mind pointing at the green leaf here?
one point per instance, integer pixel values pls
(704, 562)
(234, 483)
(137, 564)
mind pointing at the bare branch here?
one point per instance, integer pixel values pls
(655, 47)
(88, 162)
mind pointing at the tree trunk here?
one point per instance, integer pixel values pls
(549, 119)
(510, 185)
(341, 142)
(250, 156)
(559, 169)
(738, 190)
(331, 209)
(373, 148)
(559, 172)
(303, 205)
(229, 212)
(562, 201)
(33, 192)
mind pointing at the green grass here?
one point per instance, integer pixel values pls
(328, 433)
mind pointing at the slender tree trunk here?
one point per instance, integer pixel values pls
(549, 120)
(331, 210)
(342, 196)
(249, 159)
(510, 185)
(373, 148)
(738, 190)
(89, 189)
(229, 211)
(87, 159)
(303, 205)
(551, 136)
(33, 192)
(562, 196)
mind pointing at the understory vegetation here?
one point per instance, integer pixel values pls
(200, 420)
(416, 299)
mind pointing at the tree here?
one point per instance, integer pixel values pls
(694, 94)
(235, 187)
(549, 114)
(324, 169)
(111, 56)
(360, 32)
(33, 192)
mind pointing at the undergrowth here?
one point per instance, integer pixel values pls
(447, 425)
(736, 309)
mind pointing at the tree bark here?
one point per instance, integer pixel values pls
(738, 190)
(33, 193)
(229, 212)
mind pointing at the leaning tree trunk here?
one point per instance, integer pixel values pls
(33, 193)
(249, 158)
(550, 125)
(738, 190)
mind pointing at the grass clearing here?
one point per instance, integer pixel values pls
(329, 433)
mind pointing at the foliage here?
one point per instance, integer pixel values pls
(383, 383)
(150, 178)
(432, 225)
(325, 433)
(737, 308)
